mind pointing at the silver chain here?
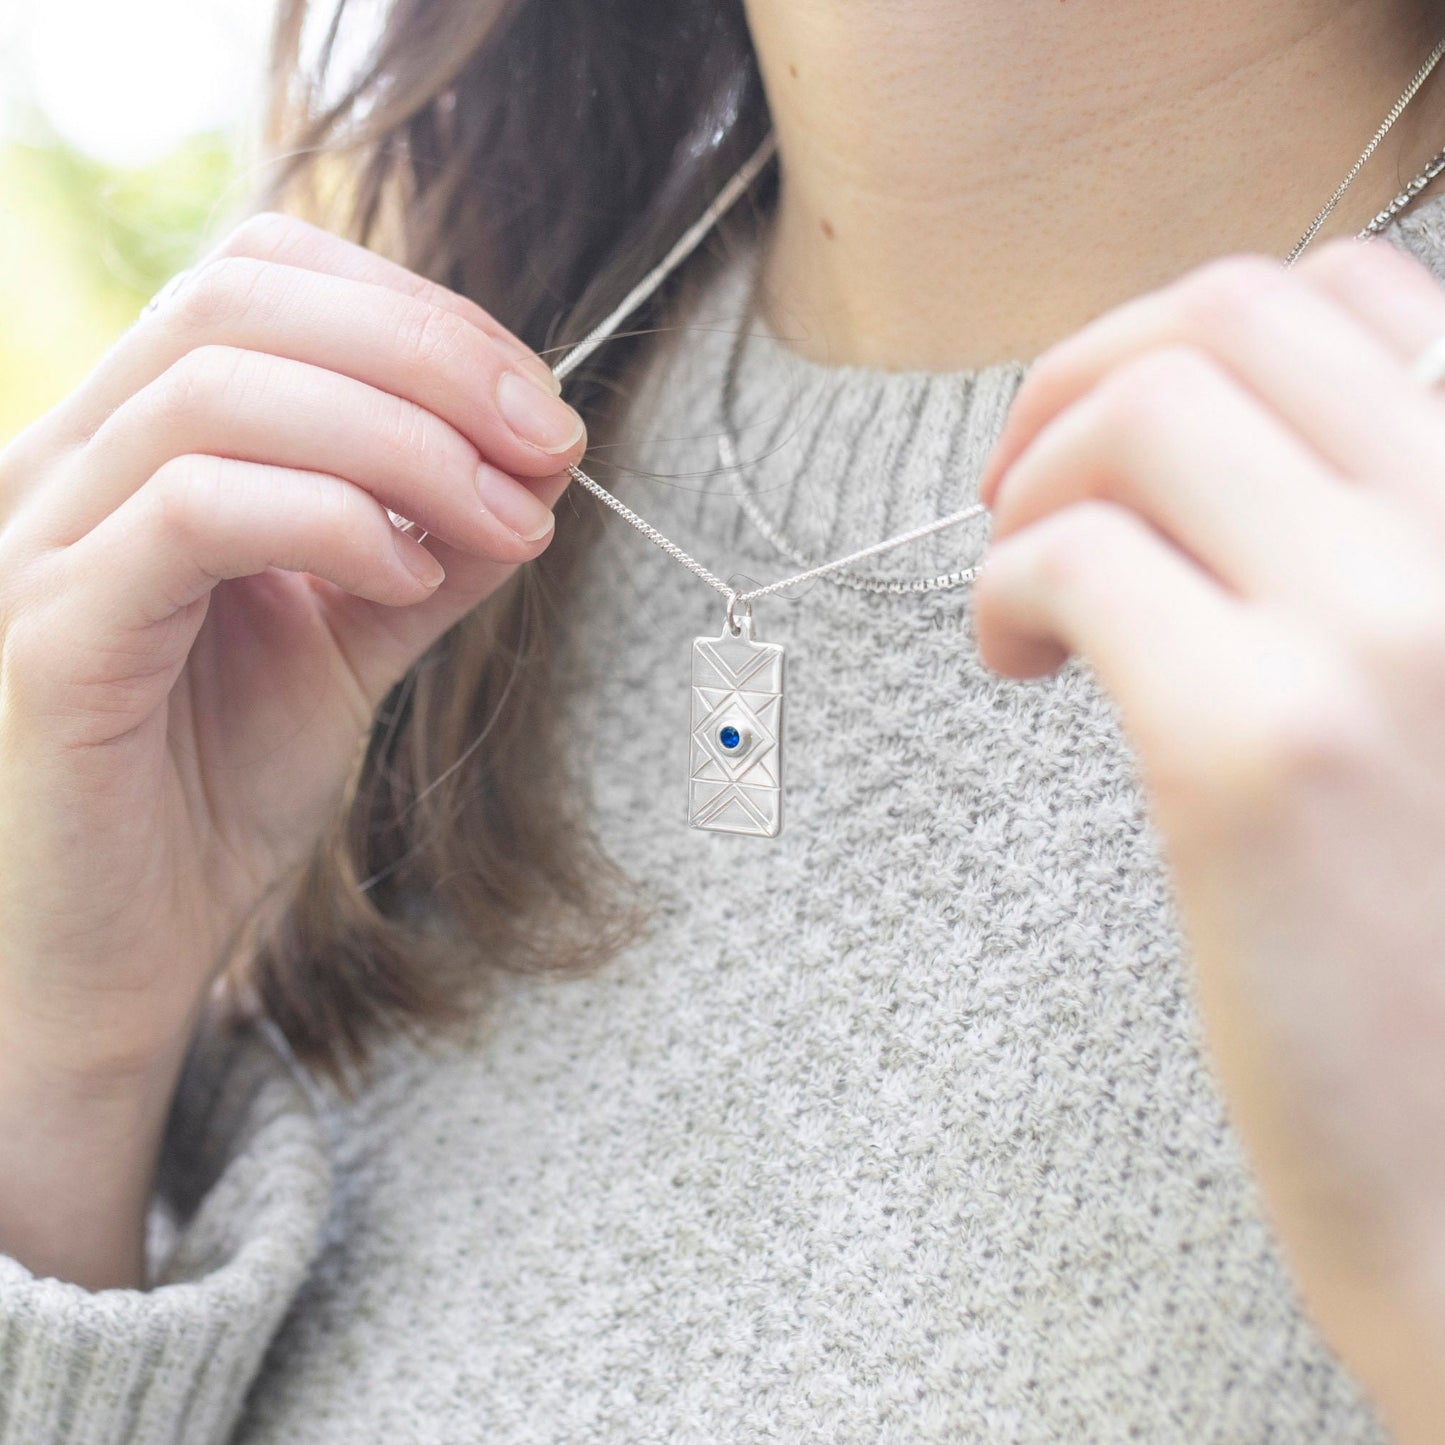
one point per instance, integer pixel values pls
(1421, 76)
(728, 455)
(1435, 169)
(693, 236)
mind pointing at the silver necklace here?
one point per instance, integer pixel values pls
(729, 455)
(735, 772)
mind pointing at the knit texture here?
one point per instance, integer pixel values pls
(895, 1128)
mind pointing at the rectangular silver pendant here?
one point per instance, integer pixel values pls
(736, 778)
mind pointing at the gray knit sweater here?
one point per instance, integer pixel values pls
(895, 1129)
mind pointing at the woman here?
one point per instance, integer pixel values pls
(522, 1111)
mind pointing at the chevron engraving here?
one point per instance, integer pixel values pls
(735, 781)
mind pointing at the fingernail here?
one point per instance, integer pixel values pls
(534, 366)
(419, 562)
(513, 505)
(537, 416)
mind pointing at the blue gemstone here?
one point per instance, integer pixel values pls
(729, 737)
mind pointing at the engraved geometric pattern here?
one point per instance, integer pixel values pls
(739, 682)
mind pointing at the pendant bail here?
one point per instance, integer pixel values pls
(738, 627)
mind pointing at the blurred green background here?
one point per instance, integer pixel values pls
(127, 137)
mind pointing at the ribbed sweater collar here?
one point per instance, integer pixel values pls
(839, 456)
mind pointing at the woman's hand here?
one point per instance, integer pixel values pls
(202, 602)
(1228, 497)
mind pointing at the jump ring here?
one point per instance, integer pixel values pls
(734, 625)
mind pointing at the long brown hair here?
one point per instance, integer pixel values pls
(537, 156)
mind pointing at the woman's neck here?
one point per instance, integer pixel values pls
(967, 181)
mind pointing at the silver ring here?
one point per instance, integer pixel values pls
(1429, 371)
(167, 291)
(737, 626)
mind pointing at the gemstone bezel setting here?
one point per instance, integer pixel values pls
(733, 737)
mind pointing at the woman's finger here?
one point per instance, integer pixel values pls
(399, 345)
(1180, 441)
(1385, 289)
(1206, 685)
(404, 344)
(1094, 579)
(203, 519)
(255, 407)
(1332, 379)
(290, 241)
